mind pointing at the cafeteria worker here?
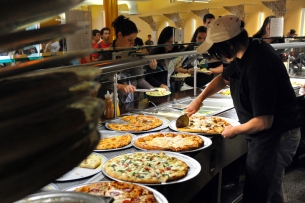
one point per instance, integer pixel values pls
(264, 101)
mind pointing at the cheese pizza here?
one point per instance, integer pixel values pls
(169, 141)
(136, 123)
(120, 191)
(147, 168)
(114, 142)
(204, 124)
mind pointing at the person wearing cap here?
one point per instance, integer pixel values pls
(264, 101)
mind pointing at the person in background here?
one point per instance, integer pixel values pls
(264, 32)
(63, 44)
(162, 71)
(96, 35)
(291, 33)
(105, 36)
(265, 103)
(138, 42)
(202, 78)
(53, 46)
(43, 47)
(149, 42)
(126, 32)
(207, 19)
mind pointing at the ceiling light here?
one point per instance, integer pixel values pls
(199, 1)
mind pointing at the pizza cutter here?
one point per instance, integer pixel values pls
(182, 121)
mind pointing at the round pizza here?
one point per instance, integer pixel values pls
(114, 142)
(204, 124)
(136, 123)
(147, 168)
(120, 191)
(169, 141)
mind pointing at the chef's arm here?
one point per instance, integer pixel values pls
(254, 125)
(217, 84)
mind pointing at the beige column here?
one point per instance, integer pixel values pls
(110, 13)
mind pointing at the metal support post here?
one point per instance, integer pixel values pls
(195, 77)
(115, 95)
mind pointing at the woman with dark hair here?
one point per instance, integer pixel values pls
(126, 32)
(161, 69)
(215, 66)
(265, 103)
(264, 32)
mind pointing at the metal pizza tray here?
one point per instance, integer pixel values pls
(65, 197)
(105, 134)
(159, 197)
(233, 122)
(14, 41)
(207, 142)
(194, 167)
(79, 173)
(164, 125)
(31, 11)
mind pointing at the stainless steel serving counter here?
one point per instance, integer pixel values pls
(212, 159)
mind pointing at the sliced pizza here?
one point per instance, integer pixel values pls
(114, 142)
(169, 141)
(120, 191)
(204, 124)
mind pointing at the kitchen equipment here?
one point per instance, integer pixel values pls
(182, 121)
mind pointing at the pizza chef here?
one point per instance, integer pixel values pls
(264, 101)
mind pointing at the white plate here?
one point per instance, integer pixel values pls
(181, 76)
(164, 125)
(172, 124)
(203, 71)
(194, 167)
(159, 197)
(207, 142)
(78, 172)
(106, 134)
(158, 94)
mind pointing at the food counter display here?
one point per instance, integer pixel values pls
(210, 158)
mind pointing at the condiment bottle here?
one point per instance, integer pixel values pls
(109, 106)
(118, 112)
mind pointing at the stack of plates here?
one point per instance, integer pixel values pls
(45, 117)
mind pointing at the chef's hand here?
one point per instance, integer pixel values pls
(193, 107)
(229, 132)
(164, 86)
(153, 64)
(126, 88)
